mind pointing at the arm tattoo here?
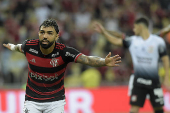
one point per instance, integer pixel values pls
(91, 60)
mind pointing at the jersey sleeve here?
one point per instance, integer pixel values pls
(70, 54)
(23, 46)
(127, 42)
(162, 48)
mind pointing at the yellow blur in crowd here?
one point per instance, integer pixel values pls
(91, 78)
(161, 72)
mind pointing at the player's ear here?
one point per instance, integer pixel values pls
(57, 36)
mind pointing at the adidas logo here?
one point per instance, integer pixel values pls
(33, 60)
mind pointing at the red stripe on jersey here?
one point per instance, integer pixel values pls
(44, 62)
(77, 57)
(60, 46)
(40, 98)
(45, 93)
(43, 84)
(36, 40)
(32, 44)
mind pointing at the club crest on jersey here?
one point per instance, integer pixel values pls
(54, 62)
(150, 49)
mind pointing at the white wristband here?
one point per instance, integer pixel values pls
(12, 47)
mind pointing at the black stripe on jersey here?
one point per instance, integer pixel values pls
(46, 70)
(32, 96)
(45, 89)
(35, 93)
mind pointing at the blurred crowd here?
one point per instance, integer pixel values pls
(20, 20)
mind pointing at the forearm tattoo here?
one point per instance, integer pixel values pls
(91, 60)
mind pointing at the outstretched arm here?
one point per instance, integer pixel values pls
(114, 39)
(98, 61)
(164, 31)
(117, 34)
(165, 61)
(13, 47)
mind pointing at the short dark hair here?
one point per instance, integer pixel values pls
(142, 20)
(50, 22)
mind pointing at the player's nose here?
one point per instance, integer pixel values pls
(45, 35)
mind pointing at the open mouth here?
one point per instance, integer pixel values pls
(45, 42)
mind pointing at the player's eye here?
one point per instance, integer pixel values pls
(42, 32)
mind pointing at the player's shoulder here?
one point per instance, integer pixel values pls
(157, 38)
(133, 37)
(32, 41)
(60, 46)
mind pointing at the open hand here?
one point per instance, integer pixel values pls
(112, 61)
(9, 46)
(98, 27)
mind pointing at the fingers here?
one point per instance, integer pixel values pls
(116, 65)
(9, 46)
(6, 45)
(112, 61)
(97, 27)
(108, 56)
(116, 56)
(118, 61)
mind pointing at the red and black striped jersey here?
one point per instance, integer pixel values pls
(45, 81)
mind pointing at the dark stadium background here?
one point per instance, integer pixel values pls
(20, 20)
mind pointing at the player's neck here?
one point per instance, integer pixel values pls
(145, 34)
(47, 51)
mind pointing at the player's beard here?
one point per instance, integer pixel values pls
(46, 46)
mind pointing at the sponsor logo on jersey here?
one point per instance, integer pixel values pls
(54, 55)
(144, 60)
(33, 51)
(69, 54)
(43, 77)
(144, 81)
(54, 62)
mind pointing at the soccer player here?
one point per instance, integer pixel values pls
(47, 61)
(161, 33)
(146, 49)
